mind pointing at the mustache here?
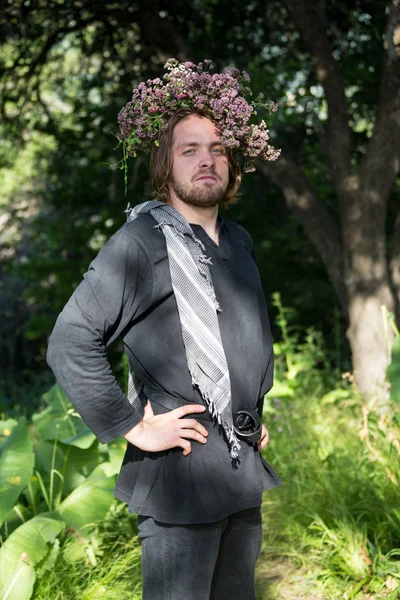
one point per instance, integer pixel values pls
(206, 172)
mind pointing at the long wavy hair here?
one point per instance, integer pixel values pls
(161, 161)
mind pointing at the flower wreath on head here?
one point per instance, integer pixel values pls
(186, 85)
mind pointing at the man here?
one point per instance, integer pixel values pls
(181, 287)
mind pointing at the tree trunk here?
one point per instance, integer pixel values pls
(370, 343)
(359, 267)
(366, 276)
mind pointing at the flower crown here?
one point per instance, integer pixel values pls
(186, 85)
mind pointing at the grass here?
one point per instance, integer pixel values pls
(337, 516)
(332, 531)
(107, 565)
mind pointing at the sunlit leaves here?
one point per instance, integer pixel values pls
(59, 421)
(16, 465)
(22, 551)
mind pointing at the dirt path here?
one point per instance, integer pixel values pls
(281, 580)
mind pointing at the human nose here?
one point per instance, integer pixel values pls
(206, 159)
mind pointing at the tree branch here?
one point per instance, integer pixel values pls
(161, 33)
(311, 26)
(381, 163)
(318, 224)
(62, 26)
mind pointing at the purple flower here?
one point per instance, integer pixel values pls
(222, 94)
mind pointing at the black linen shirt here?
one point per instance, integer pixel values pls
(127, 292)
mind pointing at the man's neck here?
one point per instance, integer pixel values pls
(206, 217)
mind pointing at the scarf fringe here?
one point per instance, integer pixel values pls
(234, 444)
(205, 260)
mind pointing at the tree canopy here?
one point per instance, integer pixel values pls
(324, 217)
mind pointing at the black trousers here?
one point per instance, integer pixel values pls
(210, 561)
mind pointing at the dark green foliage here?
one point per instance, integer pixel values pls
(60, 101)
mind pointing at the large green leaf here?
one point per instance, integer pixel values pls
(16, 466)
(17, 515)
(26, 547)
(60, 421)
(6, 428)
(89, 502)
(74, 463)
(393, 372)
(49, 454)
(80, 464)
(116, 451)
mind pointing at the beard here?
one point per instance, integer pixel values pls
(203, 195)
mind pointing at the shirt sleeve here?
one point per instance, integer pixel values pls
(115, 291)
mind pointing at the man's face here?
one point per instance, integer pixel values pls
(200, 171)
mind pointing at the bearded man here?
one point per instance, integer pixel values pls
(180, 285)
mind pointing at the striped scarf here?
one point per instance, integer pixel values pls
(198, 312)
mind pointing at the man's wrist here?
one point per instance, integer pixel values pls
(135, 430)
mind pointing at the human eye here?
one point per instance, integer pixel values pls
(189, 151)
(218, 150)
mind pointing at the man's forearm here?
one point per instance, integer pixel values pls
(77, 356)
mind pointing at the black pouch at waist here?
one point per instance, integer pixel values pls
(248, 426)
